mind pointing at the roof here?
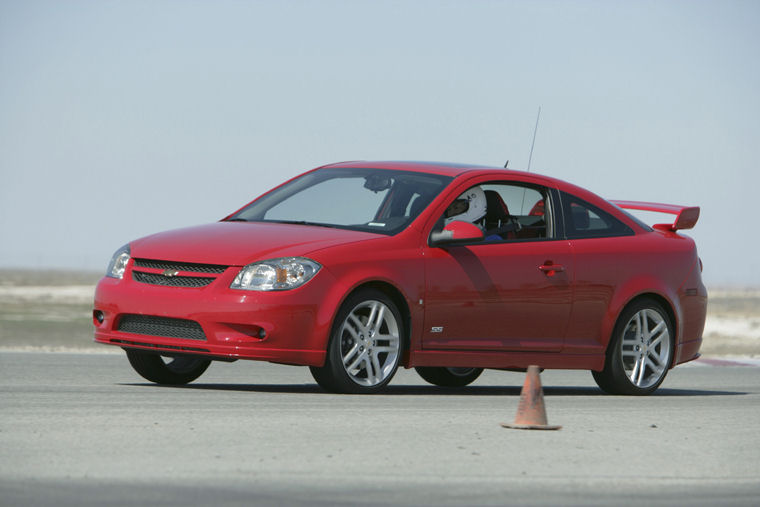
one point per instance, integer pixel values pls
(448, 169)
(444, 168)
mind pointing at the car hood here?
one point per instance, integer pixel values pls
(240, 243)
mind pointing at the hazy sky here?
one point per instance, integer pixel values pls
(119, 119)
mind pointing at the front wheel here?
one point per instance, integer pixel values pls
(640, 352)
(449, 377)
(365, 345)
(167, 370)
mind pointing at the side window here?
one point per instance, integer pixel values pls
(584, 220)
(504, 211)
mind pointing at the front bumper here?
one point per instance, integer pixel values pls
(289, 327)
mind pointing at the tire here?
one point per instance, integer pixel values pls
(167, 370)
(365, 345)
(449, 377)
(640, 351)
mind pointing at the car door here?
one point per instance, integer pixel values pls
(512, 291)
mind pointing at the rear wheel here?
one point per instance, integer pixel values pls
(365, 345)
(640, 352)
(449, 377)
(167, 370)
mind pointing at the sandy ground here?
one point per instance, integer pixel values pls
(733, 323)
(47, 310)
(51, 311)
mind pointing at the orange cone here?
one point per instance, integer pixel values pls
(531, 414)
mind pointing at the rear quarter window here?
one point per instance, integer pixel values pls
(584, 220)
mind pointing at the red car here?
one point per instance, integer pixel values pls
(356, 268)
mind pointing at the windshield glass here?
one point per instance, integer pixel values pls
(361, 199)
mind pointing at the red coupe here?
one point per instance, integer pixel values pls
(356, 268)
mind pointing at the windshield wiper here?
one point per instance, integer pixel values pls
(236, 220)
(300, 222)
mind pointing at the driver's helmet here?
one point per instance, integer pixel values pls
(468, 207)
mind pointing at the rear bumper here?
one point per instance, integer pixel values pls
(287, 326)
(688, 351)
(693, 301)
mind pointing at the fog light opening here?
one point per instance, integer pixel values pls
(262, 333)
(98, 317)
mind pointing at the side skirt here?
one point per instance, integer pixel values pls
(503, 360)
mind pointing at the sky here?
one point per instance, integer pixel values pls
(121, 119)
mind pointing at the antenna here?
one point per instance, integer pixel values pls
(530, 157)
(505, 165)
(535, 129)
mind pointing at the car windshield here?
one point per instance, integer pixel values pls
(362, 199)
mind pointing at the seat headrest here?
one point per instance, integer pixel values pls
(495, 205)
(581, 219)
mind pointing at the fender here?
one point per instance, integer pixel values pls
(635, 288)
(399, 270)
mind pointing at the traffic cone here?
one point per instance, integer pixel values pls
(531, 414)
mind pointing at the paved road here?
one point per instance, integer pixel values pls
(83, 429)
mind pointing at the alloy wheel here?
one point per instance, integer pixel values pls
(370, 343)
(645, 348)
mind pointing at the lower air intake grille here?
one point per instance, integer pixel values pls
(161, 326)
(174, 281)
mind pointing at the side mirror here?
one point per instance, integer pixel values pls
(456, 233)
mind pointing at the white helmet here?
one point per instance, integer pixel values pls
(468, 207)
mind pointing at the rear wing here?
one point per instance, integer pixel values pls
(686, 216)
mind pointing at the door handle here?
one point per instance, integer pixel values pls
(549, 268)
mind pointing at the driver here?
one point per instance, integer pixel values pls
(468, 207)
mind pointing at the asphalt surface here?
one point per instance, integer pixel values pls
(83, 429)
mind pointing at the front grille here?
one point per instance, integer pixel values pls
(169, 271)
(179, 266)
(161, 326)
(173, 281)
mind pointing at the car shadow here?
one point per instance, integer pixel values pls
(415, 390)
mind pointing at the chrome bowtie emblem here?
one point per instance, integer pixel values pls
(169, 273)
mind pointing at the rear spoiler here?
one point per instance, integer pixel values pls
(686, 216)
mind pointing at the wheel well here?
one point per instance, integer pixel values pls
(398, 299)
(665, 305)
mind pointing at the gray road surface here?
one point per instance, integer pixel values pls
(83, 429)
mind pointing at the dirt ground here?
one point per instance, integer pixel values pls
(52, 310)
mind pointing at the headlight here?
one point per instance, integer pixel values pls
(118, 263)
(276, 274)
